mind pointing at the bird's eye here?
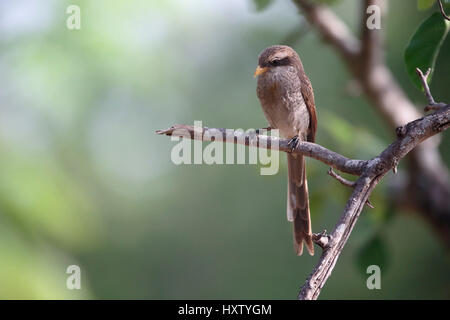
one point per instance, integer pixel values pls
(275, 62)
(280, 62)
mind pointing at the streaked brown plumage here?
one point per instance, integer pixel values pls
(287, 100)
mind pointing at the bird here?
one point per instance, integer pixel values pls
(287, 100)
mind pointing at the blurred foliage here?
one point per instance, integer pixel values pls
(425, 4)
(262, 4)
(85, 181)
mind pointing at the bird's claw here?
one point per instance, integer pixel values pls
(294, 143)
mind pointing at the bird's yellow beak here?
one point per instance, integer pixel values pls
(259, 71)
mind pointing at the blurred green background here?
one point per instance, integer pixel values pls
(85, 180)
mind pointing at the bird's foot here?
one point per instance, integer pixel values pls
(294, 143)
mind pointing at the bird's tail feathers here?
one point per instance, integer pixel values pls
(298, 204)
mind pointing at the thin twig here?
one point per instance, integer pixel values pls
(441, 7)
(369, 204)
(432, 105)
(342, 180)
(347, 183)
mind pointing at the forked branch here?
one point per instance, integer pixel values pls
(370, 172)
(427, 183)
(364, 58)
(432, 105)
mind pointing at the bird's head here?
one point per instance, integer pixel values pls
(277, 57)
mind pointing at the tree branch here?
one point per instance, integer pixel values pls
(428, 180)
(370, 171)
(332, 29)
(371, 51)
(365, 59)
(414, 133)
(308, 149)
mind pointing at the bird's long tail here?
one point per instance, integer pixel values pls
(298, 204)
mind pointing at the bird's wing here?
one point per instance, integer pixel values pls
(308, 96)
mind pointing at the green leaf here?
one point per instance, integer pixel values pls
(262, 4)
(424, 46)
(424, 4)
(374, 252)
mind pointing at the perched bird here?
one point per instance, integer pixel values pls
(287, 99)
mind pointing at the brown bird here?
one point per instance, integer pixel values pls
(287, 99)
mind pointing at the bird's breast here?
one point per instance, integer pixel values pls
(283, 104)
